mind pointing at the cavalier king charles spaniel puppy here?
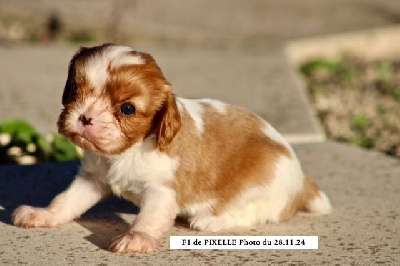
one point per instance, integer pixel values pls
(218, 165)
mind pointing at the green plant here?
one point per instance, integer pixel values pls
(396, 95)
(312, 66)
(353, 85)
(384, 70)
(360, 123)
(362, 141)
(21, 143)
(82, 36)
(342, 69)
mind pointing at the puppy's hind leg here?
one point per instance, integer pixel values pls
(235, 215)
(82, 194)
(208, 223)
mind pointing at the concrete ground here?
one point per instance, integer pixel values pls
(363, 228)
(234, 51)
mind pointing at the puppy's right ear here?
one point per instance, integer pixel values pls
(70, 85)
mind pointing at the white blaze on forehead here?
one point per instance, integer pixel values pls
(121, 55)
(128, 59)
(216, 104)
(96, 67)
(195, 111)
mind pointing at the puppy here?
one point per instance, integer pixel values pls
(216, 164)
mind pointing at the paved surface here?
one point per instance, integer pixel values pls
(232, 50)
(363, 229)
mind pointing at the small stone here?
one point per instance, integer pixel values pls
(14, 151)
(5, 139)
(31, 147)
(27, 159)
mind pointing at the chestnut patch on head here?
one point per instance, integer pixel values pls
(122, 94)
(143, 102)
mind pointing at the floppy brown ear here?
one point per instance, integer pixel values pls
(68, 84)
(168, 123)
(71, 75)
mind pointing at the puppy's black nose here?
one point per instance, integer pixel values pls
(85, 121)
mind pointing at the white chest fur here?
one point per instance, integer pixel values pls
(140, 167)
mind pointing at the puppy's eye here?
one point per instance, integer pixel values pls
(74, 88)
(70, 90)
(127, 109)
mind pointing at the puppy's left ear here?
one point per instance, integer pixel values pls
(168, 122)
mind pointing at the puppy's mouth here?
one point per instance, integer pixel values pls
(89, 143)
(97, 138)
(86, 142)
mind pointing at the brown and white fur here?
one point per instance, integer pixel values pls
(219, 165)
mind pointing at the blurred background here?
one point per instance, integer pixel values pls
(222, 23)
(233, 50)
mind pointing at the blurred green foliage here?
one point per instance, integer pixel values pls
(357, 99)
(20, 143)
(83, 36)
(360, 124)
(311, 66)
(342, 69)
(384, 70)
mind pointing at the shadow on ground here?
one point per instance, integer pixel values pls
(37, 185)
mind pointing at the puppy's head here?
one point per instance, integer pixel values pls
(114, 97)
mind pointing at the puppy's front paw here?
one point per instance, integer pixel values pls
(134, 242)
(31, 217)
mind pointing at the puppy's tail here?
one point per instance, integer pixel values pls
(314, 199)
